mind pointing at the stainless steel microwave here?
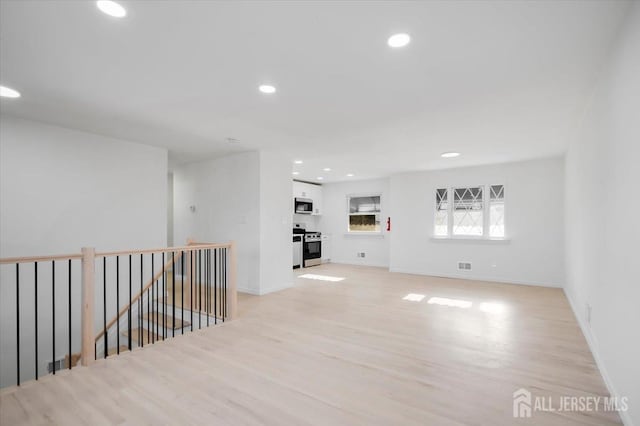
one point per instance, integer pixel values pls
(303, 206)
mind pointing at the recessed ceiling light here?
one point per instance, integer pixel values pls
(320, 178)
(295, 173)
(7, 92)
(349, 174)
(298, 162)
(399, 40)
(327, 169)
(111, 8)
(265, 88)
(450, 154)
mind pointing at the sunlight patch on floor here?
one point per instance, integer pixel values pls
(492, 308)
(321, 277)
(413, 297)
(456, 303)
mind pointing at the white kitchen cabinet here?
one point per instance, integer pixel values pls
(316, 196)
(301, 190)
(326, 248)
(309, 191)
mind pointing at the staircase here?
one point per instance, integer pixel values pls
(147, 295)
(184, 305)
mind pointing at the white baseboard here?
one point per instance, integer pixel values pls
(262, 292)
(593, 346)
(348, 262)
(247, 290)
(476, 278)
(276, 288)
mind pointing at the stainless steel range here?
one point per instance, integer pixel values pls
(312, 249)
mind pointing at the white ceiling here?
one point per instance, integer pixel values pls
(498, 81)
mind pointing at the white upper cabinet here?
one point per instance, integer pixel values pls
(309, 191)
(316, 196)
(301, 190)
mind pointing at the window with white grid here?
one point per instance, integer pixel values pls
(470, 211)
(468, 218)
(496, 211)
(441, 226)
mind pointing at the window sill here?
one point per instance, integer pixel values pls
(364, 234)
(472, 240)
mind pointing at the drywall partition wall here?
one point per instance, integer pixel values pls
(219, 200)
(60, 190)
(244, 197)
(275, 222)
(334, 222)
(534, 225)
(602, 233)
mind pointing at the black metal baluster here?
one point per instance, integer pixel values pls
(182, 290)
(118, 305)
(129, 315)
(149, 338)
(215, 286)
(208, 283)
(156, 319)
(220, 281)
(220, 301)
(153, 282)
(18, 324)
(173, 292)
(204, 282)
(224, 282)
(140, 332)
(70, 331)
(104, 311)
(199, 288)
(36, 304)
(164, 299)
(53, 314)
(191, 300)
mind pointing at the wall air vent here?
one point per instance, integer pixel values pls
(464, 266)
(57, 364)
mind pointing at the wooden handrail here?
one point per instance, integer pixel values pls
(32, 259)
(163, 250)
(191, 243)
(138, 295)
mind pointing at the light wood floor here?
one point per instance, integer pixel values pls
(336, 353)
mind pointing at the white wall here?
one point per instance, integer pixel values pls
(170, 210)
(244, 197)
(334, 222)
(602, 233)
(534, 223)
(311, 222)
(226, 196)
(63, 189)
(275, 222)
(60, 190)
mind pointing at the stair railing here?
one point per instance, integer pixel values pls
(176, 289)
(127, 308)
